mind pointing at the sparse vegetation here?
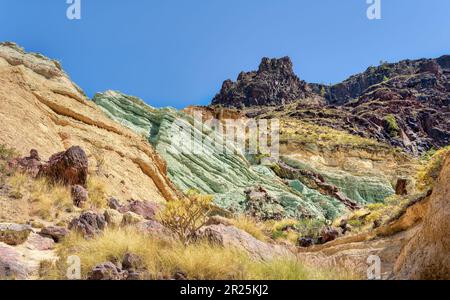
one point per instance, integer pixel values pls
(392, 125)
(431, 168)
(163, 259)
(97, 192)
(296, 131)
(186, 216)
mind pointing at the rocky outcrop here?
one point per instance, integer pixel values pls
(229, 236)
(88, 224)
(224, 173)
(426, 255)
(273, 84)
(404, 104)
(42, 109)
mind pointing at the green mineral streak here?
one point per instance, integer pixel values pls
(362, 189)
(223, 174)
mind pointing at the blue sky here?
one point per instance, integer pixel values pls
(178, 52)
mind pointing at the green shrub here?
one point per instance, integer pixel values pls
(392, 125)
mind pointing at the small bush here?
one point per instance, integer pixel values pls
(186, 216)
(310, 228)
(392, 125)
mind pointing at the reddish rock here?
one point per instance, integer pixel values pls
(30, 165)
(107, 271)
(145, 209)
(88, 224)
(14, 234)
(79, 195)
(55, 232)
(69, 167)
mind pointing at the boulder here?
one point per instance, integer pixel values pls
(107, 271)
(130, 218)
(132, 261)
(69, 167)
(113, 217)
(328, 234)
(145, 209)
(305, 242)
(14, 234)
(79, 195)
(30, 165)
(229, 236)
(426, 255)
(88, 223)
(57, 233)
(39, 242)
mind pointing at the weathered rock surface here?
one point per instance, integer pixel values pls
(229, 236)
(273, 84)
(14, 234)
(42, 109)
(88, 223)
(57, 233)
(79, 195)
(69, 167)
(225, 174)
(426, 255)
(107, 271)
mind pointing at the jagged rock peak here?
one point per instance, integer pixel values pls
(274, 83)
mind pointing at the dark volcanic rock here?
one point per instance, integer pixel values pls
(88, 223)
(273, 84)
(30, 165)
(69, 167)
(107, 271)
(79, 195)
(404, 104)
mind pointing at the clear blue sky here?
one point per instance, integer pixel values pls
(178, 52)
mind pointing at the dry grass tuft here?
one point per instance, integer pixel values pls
(200, 260)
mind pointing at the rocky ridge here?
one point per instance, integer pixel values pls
(404, 104)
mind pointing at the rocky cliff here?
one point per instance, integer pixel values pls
(42, 109)
(404, 104)
(225, 174)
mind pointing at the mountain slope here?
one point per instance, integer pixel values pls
(403, 104)
(42, 109)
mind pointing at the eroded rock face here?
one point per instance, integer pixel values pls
(426, 255)
(41, 108)
(274, 83)
(229, 236)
